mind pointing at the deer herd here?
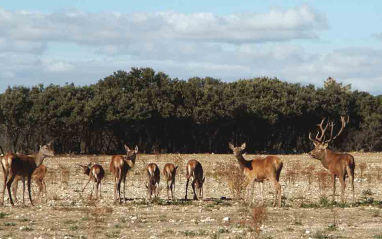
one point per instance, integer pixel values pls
(18, 167)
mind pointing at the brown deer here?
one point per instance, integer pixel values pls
(23, 165)
(194, 170)
(260, 170)
(339, 165)
(119, 166)
(153, 178)
(38, 177)
(96, 174)
(169, 173)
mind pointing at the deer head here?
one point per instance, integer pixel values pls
(320, 143)
(85, 169)
(131, 155)
(132, 152)
(47, 150)
(237, 151)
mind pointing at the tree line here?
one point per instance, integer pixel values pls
(199, 115)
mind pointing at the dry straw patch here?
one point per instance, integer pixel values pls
(64, 175)
(362, 168)
(259, 215)
(323, 178)
(234, 177)
(308, 173)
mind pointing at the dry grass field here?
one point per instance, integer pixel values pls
(307, 211)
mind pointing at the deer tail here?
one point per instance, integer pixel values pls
(278, 166)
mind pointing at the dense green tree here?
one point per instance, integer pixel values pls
(147, 108)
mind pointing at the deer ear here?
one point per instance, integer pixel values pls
(231, 146)
(136, 149)
(243, 146)
(126, 147)
(325, 145)
(176, 167)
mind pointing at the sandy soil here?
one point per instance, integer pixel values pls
(307, 210)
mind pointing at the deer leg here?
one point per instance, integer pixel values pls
(97, 185)
(193, 189)
(352, 186)
(343, 185)
(5, 181)
(172, 185)
(86, 184)
(14, 188)
(278, 192)
(173, 189)
(277, 187)
(115, 189)
(9, 184)
(29, 188)
(186, 188)
(351, 179)
(40, 189)
(262, 192)
(124, 189)
(119, 190)
(100, 197)
(168, 190)
(247, 191)
(148, 186)
(334, 186)
(91, 191)
(23, 179)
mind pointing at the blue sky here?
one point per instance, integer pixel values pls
(295, 41)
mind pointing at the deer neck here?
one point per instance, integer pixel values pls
(132, 158)
(326, 158)
(242, 162)
(39, 158)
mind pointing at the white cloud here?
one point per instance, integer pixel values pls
(57, 66)
(229, 47)
(98, 28)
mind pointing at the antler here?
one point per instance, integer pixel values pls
(323, 130)
(343, 122)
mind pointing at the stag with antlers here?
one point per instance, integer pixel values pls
(339, 165)
(260, 170)
(23, 165)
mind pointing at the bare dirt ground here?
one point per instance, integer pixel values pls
(307, 211)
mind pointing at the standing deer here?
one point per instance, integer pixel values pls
(119, 166)
(23, 165)
(169, 173)
(38, 177)
(194, 170)
(260, 170)
(153, 178)
(96, 174)
(339, 165)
